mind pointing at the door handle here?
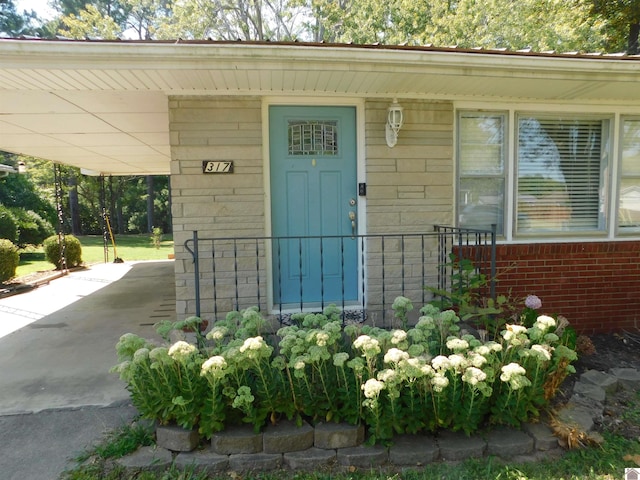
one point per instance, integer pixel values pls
(352, 217)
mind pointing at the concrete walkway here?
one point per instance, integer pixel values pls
(56, 348)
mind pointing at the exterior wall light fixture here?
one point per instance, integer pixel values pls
(395, 119)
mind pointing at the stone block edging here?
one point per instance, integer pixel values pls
(339, 445)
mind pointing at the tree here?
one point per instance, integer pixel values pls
(622, 18)
(15, 24)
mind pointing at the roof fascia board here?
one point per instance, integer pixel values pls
(70, 55)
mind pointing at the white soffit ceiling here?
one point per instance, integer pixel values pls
(103, 106)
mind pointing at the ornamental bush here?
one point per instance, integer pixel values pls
(72, 250)
(428, 377)
(9, 260)
(8, 225)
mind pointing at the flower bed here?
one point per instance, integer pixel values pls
(428, 377)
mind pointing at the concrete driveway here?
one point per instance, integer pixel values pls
(56, 348)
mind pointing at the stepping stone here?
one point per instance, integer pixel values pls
(309, 459)
(363, 456)
(590, 391)
(202, 461)
(147, 458)
(286, 436)
(628, 378)
(609, 383)
(508, 442)
(578, 416)
(414, 450)
(338, 435)
(457, 446)
(236, 440)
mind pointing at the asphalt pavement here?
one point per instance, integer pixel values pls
(57, 344)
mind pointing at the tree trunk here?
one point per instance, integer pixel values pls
(632, 43)
(150, 203)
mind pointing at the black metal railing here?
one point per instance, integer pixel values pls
(361, 274)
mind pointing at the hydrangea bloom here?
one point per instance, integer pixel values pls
(533, 302)
(386, 375)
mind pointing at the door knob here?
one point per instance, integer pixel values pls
(352, 217)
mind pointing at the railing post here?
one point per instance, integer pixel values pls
(494, 228)
(196, 270)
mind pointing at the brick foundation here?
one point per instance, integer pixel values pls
(595, 285)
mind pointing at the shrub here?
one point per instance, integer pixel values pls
(8, 225)
(33, 229)
(9, 259)
(73, 251)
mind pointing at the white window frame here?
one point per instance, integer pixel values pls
(609, 211)
(622, 230)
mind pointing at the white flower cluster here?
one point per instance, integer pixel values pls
(253, 343)
(398, 336)
(395, 355)
(473, 376)
(370, 346)
(512, 332)
(217, 333)
(439, 382)
(441, 363)
(514, 375)
(457, 344)
(372, 388)
(181, 349)
(541, 351)
(321, 339)
(214, 366)
(544, 322)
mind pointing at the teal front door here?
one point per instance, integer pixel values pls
(313, 205)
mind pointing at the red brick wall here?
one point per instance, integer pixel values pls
(596, 286)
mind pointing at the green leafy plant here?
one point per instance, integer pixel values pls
(429, 377)
(156, 237)
(9, 260)
(53, 250)
(8, 225)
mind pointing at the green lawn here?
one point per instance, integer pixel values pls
(128, 248)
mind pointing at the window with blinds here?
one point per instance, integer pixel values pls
(560, 184)
(481, 163)
(629, 192)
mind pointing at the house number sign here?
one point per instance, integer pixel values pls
(217, 166)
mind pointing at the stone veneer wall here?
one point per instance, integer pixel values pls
(213, 128)
(409, 189)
